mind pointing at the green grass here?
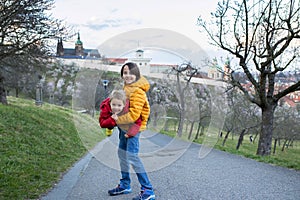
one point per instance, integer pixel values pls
(39, 144)
(289, 158)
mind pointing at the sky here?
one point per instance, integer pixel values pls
(103, 22)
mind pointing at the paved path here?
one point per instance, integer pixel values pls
(177, 173)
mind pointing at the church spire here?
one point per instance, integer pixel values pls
(78, 42)
(60, 47)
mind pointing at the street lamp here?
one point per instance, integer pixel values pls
(105, 84)
(108, 132)
(39, 93)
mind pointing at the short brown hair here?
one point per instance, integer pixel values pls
(118, 94)
(133, 69)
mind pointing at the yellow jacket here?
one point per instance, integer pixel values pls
(138, 104)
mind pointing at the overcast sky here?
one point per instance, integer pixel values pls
(101, 20)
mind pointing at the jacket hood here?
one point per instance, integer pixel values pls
(105, 104)
(142, 83)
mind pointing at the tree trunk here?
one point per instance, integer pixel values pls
(225, 138)
(202, 131)
(186, 127)
(180, 125)
(241, 138)
(166, 126)
(275, 143)
(265, 138)
(17, 92)
(290, 143)
(3, 98)
(283, 146)
(182, 106)
(191, 131)
(255, 137)
(175, 125)
(198, 132)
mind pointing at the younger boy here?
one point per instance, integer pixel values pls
(113, 106)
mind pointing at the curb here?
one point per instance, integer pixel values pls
(63, 188)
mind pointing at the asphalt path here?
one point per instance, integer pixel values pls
(177, 173)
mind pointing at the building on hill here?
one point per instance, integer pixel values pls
(142, 62)
(215, 71)
(161, 68)
(78, 52)
(115, 61)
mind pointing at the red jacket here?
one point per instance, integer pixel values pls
(106, 121)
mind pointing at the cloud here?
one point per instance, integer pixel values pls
(155, 40)
(99, 24)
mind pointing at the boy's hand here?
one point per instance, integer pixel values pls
(115, 117)
(127, 136)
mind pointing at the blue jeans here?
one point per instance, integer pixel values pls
(128, 154)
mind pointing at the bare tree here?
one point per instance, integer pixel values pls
(204, 107)
(247, 117)
(286, 126)
(84, 96)
(22, 71)
(264, 37)
(162, 93)
(184, 74)
(24, 26)
(60, 82)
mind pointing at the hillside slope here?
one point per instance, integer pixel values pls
(39, 144)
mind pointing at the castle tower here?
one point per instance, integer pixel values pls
(59, 48)
(227, 70)
(139, 53)
(79, 46)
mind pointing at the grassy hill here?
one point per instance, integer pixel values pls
(38, 144)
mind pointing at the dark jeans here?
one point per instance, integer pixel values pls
(128, 154)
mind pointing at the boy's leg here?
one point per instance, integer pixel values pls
(124, 163)
(124, 186)
(132, 155)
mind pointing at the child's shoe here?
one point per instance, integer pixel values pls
(119, 190)
(108, 132)
(145, 195)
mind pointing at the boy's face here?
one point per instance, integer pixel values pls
(116, 106)
(127, 77)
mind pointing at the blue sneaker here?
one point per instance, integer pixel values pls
(119, 190)
(145, 195)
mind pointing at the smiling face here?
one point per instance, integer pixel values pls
(116, 105)
(127, 76)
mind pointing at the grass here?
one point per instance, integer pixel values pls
(289, 158)
(39, 144)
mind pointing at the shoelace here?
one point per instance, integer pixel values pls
(141, 194)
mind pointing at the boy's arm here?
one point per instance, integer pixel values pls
(137, 101)
(107, 122)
